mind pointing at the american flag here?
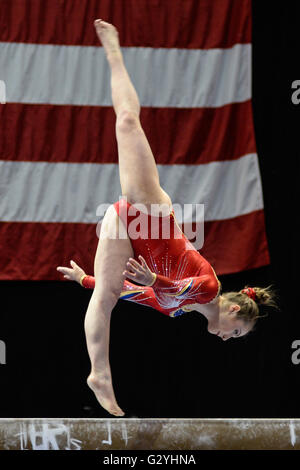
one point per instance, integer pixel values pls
(190, 62)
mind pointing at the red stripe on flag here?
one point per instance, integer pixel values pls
(237, 244)
(148, 23)
(87, 134)
(226, 247)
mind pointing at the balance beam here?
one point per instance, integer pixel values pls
(149, 434)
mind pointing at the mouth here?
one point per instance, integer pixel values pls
(218, 333)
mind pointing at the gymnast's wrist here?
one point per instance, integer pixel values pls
(81, 279)
(153, 279)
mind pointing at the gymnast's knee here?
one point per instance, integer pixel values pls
(127, 121)
(106, 298)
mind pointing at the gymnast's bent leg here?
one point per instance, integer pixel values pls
(110, 262)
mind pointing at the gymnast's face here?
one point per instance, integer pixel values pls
(229, 325)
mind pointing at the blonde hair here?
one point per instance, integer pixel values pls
(250, 311)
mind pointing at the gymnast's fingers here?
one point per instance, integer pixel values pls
(61, 269)
(129, 275)
(144, 264)
(135, 268)
(134, 262)
(64, 270)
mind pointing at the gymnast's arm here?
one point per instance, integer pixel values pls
(194, 285)
(143, 295)
(202, 288)
(77, 274)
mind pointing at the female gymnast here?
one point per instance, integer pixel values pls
(172, 275)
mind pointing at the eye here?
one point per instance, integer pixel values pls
(236, 332)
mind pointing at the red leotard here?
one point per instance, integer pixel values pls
(183, 276)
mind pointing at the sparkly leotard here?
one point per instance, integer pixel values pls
(183, 276)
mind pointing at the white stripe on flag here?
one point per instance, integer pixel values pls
(79, 75)
(71, 192)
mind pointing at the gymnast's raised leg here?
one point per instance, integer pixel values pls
(140, 183)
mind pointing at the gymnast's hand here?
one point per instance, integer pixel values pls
(73, 274)
(139, 272)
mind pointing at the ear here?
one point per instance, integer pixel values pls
(235, 308)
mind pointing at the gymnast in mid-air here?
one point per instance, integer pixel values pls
(165, 273)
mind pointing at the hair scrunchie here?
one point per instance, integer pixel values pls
(250, 292)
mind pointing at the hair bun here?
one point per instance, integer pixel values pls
(263, 296)
(250, 292)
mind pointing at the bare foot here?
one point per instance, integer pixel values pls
(103, 390)
(109, 37)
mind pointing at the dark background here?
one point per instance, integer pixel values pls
(165, 367)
